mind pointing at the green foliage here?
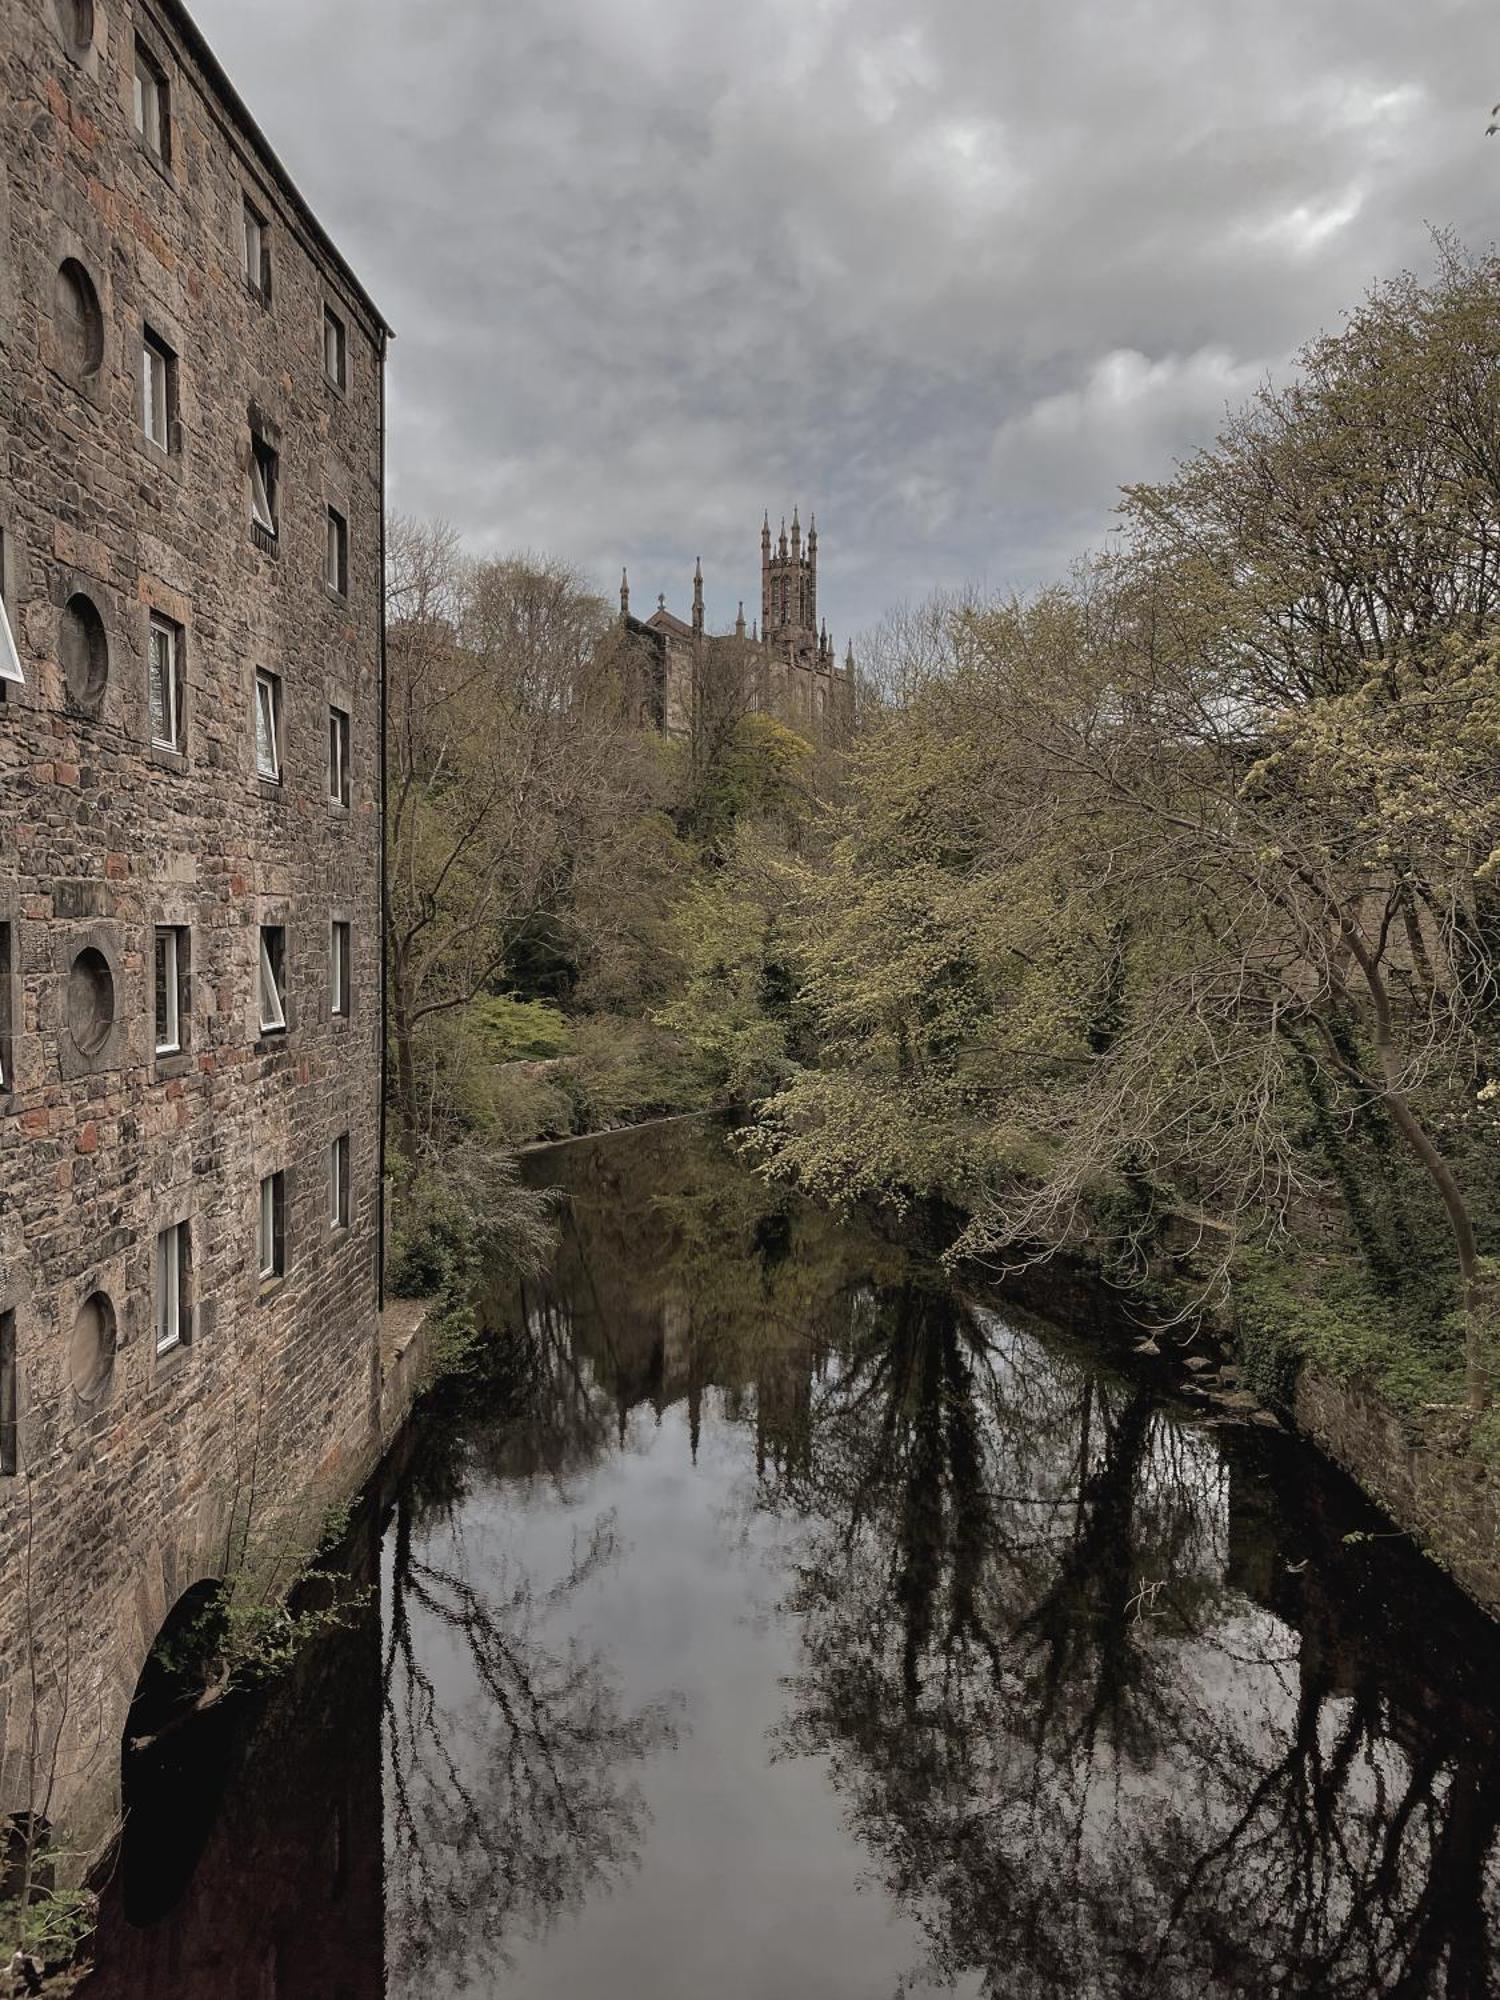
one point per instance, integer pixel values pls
(733, 1012)
(508, 1029)
(758, 770)
(621, 1071)
(1294, 1306)
(54, 1926)
(455, 1223)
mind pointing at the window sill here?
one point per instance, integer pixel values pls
(267, 540)
(166, 458)
(170, 1361)
(169, 760)
(335, 387)
(155, 161)
(258, 292)
(270, 789)
(171, 1064)
(269, 1041)
(270, 1287)
(338, 598)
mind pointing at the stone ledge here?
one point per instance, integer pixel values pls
(405, 1361)
(1419, 1469)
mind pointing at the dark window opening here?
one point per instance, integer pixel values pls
(265, 493)
(7, 1076)
(10, 1444)
(336, 569)
(335, 349)
(257, 252)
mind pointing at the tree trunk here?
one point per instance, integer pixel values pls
(406, 1070)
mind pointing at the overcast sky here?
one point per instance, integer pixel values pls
(946, 272)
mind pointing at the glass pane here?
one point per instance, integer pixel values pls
(266, 757)
(163, 981)
(10, 659)
(161, 680)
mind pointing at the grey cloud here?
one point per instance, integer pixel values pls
(946, 274)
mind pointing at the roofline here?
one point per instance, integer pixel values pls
(218, 77)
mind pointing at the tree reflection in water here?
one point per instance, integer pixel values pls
(1110, 1705)
(1087, 1760)
(509, 1756)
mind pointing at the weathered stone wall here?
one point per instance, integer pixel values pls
(1421, 1473)
(122, 1497)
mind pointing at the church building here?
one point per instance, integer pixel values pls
(784, 665)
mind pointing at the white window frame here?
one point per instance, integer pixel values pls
(171, 1305)
(272, 1011)
(156, 390)
(271, 1243)
(338, 755)
(168, 936)
(150, 102)
(10, 659)
(261, 511)
(168, 637)
(339, 1197)
(7, 945)
(336, 553)
(340, 941)
(268, 712)
(257, 261)
(335, 349)
(10, 1395)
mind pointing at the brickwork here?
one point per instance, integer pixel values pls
(129, 1459)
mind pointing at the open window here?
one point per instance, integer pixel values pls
(164, 684)
(273, 979)
(268, 725)
(265, 492)
(10, 659)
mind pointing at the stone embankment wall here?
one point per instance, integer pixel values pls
(1420, 1470)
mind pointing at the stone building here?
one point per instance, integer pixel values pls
(784, 665)
(191, 427)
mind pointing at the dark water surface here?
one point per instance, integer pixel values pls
(766, 1618)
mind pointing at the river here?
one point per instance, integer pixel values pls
(766, 1616)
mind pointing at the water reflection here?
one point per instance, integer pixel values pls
(508, 1754)
(1108, 1697)
(758, 1571)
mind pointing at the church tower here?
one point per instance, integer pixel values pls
(789, 588)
